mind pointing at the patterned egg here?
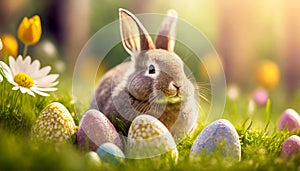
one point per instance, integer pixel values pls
(54, 124)
(95, 129)
(218, 137)
(148, 137)
(110, 153)
(290, 119)
(291, 146)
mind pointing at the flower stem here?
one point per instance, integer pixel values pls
(25, 50)
(6, 58)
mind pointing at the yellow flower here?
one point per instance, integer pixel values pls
(10, 45)
(30, 30)
(267, 74)
(1, 44)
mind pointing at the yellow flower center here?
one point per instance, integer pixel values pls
(23, 80)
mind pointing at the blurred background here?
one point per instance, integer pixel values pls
(244, 33)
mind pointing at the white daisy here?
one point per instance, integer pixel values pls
(28, 77)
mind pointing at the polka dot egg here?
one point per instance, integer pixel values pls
(54, 124)
(218, 137)
(148, 137)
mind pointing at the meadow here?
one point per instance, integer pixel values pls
(27, 86)
(261, 145)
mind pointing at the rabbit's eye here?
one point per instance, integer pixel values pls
(151, 69)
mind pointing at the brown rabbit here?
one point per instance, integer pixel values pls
(152, 83)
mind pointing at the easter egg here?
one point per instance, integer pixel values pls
(95, 129)
(148, 137)
(289, 119)
(291, 146)
(110, 153)
(267, 74)
(260, 96)
(54, 124)
(219, 137)
(93, 158)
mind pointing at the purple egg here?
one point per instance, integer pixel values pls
(95, 129)
(260, 96)
(291, 146)
(290, 119)
(218, 137)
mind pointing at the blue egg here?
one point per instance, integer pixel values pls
(218, 137)
(110, 153)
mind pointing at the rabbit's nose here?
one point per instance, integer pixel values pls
(175, 88)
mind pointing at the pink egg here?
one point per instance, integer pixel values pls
(291, 146)
(260, 96)
(290, 119)
(95, 129)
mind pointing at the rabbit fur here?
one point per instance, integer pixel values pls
(152, 83)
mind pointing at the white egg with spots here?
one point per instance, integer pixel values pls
(54, 124)
(148, 137)
(219, 137)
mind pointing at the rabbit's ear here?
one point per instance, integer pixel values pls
(166, 35)
(135, 38)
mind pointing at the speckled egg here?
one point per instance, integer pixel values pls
(289, 119)
(218, 137)
(95, 129)
(54, 124)
(148, 137)
(110, 153)
(291, 146)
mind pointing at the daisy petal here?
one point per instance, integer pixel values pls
(40, 93)
(26, 65)
(12, 81)
(30, 92)
(50, 84)
(19, 63)
(27, 60)
(6, 70)
(15, 88)
(23, 90)
(12, 65)
(42, 73)
(35, 67)
(47, 80)
(46, 89)
(47, 84)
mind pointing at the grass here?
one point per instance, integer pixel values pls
(261, 143)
